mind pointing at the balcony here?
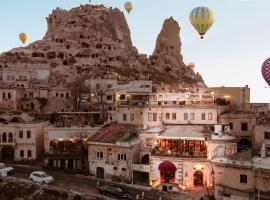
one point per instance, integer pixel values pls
(180, 148)
(180, 154)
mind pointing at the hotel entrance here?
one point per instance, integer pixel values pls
(198, 179)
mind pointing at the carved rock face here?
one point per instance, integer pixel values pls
(88, 40)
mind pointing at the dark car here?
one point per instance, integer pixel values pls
(115, 192)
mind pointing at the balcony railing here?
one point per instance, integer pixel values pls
(181, 154)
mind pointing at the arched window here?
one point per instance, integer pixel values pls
(4, 137)
(10, 137)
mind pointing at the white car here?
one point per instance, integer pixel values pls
(5, 170)
(41, 177)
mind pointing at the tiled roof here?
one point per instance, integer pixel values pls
(115, 132)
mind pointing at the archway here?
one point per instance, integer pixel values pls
(145, 159)
(167, 172)
(7, 153)
(100, 172)
(243, 144)
(198, 178)
(4, 137)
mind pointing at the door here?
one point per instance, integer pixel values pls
(100, 172)
(198, 178)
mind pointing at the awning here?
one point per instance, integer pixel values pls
(167, 166)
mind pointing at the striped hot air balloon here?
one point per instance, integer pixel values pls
(266, 71)
(202, 18)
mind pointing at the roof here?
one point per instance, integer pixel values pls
(185, 132)
(115, 132)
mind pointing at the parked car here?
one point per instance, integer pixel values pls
(115, 192)
(41, 177)
(6, 170)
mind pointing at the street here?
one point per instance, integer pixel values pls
(83, 184)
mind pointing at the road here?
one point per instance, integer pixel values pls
(82, 184)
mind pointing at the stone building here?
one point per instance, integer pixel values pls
(66, 146)
(242, 124)
(21, 137)
(242, 179)
(181, 156)
(112, 152)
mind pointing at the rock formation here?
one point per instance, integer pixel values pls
(94, 41)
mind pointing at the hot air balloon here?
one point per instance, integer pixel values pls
(23, 37)
(202, 18)
(128, 6)
(266, 71)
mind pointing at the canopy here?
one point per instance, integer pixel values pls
(167, 166)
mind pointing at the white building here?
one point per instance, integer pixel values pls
(21, 137)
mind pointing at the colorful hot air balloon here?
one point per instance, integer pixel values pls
(266, 71)
(202, 18)
(128, 6)
(23, 37)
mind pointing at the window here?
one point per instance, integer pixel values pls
(122, 97)
(28, 134)
(9, 95)
(185, 116)
(267, 135)
(21, 153)
(244, 126)
(150, 117)
(210, 116)
(231, 125)
(29, 153)
(20, 134)
(109, 98)
(167, 116)
(243, 178)
(124, 117)
(154, 117)
(4, 95)
(56, 94)
(173, 116)
(132, 117)
(62, 95)
(192, 116)
(99, 154)
(8, 77)
(122, 156)
(203, 116)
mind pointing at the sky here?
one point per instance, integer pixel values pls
(231, 54)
